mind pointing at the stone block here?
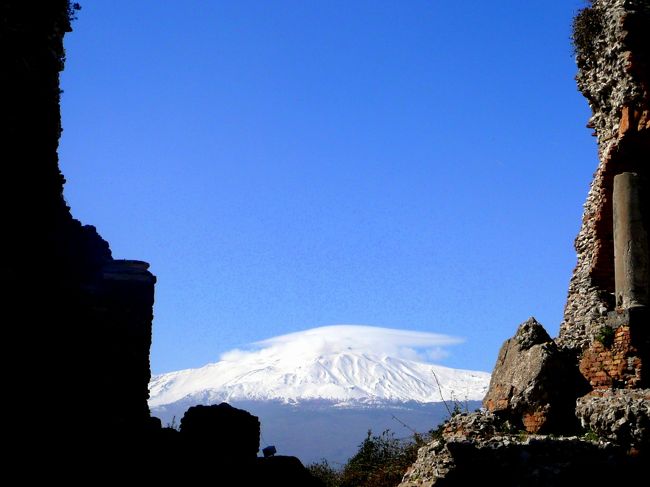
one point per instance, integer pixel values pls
(221, 431)
(534, 384)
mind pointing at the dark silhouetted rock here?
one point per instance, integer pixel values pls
(285, 471)
(223, 430)
(83, 317)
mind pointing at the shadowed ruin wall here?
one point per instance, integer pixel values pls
(78, 320)
(612, 55)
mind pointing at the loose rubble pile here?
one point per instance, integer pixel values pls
(618, 415)
(476, 449)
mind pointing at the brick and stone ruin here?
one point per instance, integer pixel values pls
(78, 322)
(576, 409)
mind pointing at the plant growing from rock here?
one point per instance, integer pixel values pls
(606, 336)
(587, 25)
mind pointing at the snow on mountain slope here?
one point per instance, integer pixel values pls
(345, 364)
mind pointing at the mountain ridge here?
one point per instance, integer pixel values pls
(317, 365)
(330, 383)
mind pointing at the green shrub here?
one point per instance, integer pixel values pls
(606, 336)
(587, 26)
(323, 471)
(381, 461)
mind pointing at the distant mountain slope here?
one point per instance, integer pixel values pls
(318, 392)
(313, 430)
(305, 366)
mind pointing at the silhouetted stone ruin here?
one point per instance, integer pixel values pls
(80, 320)
(222, 431)
(221, 443)
(591, 382)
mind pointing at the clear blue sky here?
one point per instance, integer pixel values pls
(283, 165)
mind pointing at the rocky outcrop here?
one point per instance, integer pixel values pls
(534, 384)
(470, 453)
(227, 432)
(622, 416)
(614, 75)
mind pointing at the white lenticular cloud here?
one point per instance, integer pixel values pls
(406, 344)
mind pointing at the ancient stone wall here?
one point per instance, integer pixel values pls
(610, 38)
(595, 372)
(616, 358)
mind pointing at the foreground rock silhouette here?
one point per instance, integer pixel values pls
(222, 431)
(81, 320)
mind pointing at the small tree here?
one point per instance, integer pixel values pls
(323, 471)
(381, 461)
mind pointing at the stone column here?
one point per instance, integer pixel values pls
(128, 297)
(630, 240)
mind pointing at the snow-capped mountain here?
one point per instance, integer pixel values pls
(333, 363)
(318, 392)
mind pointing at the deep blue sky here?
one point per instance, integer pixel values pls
(290, 164)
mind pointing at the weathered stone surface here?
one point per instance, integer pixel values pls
(614, 77)
(477, 425)
(520, 460)
(435, 460)
(616, 358)
(479, 449)
(533, 383)
(619, 415)
(632, 269)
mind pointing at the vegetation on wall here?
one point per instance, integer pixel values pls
(606, 336)
(587, 26)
